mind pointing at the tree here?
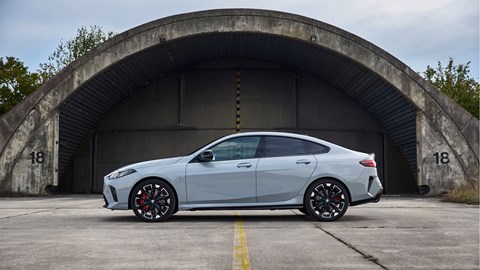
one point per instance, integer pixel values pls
(455, 81)
(69, 51)
(16, 82)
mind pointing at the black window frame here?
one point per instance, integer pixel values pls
(196, 158)
(262, 147)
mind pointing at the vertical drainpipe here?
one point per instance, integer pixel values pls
(296, 77)
(181, 95)
(56, 146)
(237, 116)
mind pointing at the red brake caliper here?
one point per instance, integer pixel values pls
(142, 201)
(337, 199)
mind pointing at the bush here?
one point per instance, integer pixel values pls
(463, 195)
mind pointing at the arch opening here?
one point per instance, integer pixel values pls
(269, 67)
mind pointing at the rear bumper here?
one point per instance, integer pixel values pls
(371, 200)
(373, 194)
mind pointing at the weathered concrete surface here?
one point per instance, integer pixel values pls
(436, 160)
(397, 233)
(457, 130)
(37, 165)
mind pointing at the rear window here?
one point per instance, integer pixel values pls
(282, 146)
(314, 148)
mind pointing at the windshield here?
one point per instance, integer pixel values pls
(191, 153)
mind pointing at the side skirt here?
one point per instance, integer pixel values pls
(272, 207)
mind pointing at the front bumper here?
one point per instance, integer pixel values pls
(117, 191)
(111, 199)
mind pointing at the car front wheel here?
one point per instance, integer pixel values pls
(326, 200)
(153, 200)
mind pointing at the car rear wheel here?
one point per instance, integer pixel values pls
(303, 211)
(153, 200)
(326, 200)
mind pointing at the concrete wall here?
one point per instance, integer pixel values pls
(438, 160)
(180, 112)
(36, 166)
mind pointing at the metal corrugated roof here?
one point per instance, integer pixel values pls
(95, 99)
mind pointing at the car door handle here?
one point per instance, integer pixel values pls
(244, 165)
(303, 161)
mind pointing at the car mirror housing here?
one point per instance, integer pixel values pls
(206, 156)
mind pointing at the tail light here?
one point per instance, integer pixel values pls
(369, 162)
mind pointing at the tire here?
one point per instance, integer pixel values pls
(303, 211)
(326, 200)
(153, 200)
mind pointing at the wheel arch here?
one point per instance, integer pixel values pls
(153, 178)
(333, 178)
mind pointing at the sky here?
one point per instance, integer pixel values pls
(418, 32)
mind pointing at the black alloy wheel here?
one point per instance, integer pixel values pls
(326, 200)
(153, 200)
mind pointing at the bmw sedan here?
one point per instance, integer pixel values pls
(255, 170)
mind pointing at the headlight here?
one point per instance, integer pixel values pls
(118, 174)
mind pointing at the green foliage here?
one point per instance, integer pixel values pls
(455, 81)
(69, 51)
(16, 82)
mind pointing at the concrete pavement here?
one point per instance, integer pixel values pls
(397, 233)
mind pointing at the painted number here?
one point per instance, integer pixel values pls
(37, 157)
(441, 158)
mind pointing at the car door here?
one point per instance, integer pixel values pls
(283, 169)
(229, 178)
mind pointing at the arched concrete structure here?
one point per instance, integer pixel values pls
(438, 139)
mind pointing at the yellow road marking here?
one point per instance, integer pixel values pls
(240, 253)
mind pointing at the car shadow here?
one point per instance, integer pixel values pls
(232, 218)
(222, 217)
(192, 217)
(199, 217)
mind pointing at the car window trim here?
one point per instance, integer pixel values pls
(262, 144)
(195, 159)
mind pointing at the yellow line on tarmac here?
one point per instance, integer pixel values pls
(240, 253)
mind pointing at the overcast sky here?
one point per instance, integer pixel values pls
(418, 32)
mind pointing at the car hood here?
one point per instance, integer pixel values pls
(150, 163)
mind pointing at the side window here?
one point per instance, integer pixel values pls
(237, 148)
(281, 146)
(314, 149)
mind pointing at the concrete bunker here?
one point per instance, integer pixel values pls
(168, 86)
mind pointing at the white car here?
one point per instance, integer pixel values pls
(255, 170)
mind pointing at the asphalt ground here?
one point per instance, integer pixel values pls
(75, 232)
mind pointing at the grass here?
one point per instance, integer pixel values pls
(463, 195)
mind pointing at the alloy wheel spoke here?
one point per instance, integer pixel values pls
(335, 207)
(324, 192)
(155, 210)
(321, 207)
(339, 193)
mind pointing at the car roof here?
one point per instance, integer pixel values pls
(334, 148)
(281, 134)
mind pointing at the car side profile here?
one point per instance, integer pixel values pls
(254, 170)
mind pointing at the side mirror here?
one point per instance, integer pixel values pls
(206, 156)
